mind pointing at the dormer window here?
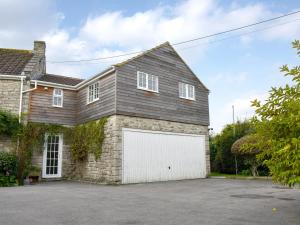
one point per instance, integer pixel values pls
(186, 91)
(147, 82)
(58, 96)
(93, 92)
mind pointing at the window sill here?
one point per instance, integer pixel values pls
(144, 89)
(190, 99)
(88, 103)
(57, 106)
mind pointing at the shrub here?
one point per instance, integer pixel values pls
(8, 169)
(9, 123)
(222, 159)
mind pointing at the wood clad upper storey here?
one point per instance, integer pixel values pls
(106, 104)
(41, 107)
(119, 94)
(170, 69)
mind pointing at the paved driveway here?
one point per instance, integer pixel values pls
(206, 201)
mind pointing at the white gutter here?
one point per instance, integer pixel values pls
(91, 80)
(11, 77)
(55, 85)
(77, 86)
(32, 89)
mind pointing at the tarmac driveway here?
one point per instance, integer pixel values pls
(205, 201)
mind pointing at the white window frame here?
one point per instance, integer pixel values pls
(186, 92)
(58, 96)
(146, 88)
(95, 97)
(59, 163)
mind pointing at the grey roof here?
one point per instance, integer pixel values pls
(13, 61)
(59, 79)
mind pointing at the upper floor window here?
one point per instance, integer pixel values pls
(186, 91)
(93, 92)
(147, 82)
(58, 96)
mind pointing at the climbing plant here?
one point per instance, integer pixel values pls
(29, 137)
(88, 138)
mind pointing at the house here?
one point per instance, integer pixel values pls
(157, 110)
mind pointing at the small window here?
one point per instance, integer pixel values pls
(147, 82)
(186, 91)
(58, 95)
(93, 92)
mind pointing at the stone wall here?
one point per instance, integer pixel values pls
(102, 170)
(10, 96)
(9, 101)
(108, 168)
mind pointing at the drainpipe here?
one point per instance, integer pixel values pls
(21, 95)
(32, 89)
(21, 98)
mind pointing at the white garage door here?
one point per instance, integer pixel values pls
(160, 156)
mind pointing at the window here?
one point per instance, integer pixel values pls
(147, 82)
(186, 91)
(93, 92)
(58, 97)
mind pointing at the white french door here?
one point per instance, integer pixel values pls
(52, 156)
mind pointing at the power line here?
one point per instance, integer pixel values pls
(183, 42)
(242, 34)
(217, 40)
(235, 29)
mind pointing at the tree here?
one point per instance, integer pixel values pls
(222, 159)
(277, 124)
(246, 146)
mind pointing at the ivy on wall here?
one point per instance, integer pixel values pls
(30, 138)
(88, 138)
(83, 139)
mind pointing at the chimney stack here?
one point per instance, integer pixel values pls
(39, 51)
(39, 48)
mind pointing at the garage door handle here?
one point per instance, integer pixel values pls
(169, 167)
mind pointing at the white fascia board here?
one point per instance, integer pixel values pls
(11, 77)
(54, 85)
(94, 78)
(78, 86)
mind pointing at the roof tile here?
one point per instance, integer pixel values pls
(13, 61)
(59, 79)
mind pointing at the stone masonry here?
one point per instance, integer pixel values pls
(10, 101)
(10, 88)
(108, 169)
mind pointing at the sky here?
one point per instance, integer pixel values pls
(236, 67)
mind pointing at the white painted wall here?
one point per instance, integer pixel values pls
(159, 156)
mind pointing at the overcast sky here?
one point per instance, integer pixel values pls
(236, 67)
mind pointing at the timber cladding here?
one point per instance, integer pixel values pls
(103, 107)
(41, 109)
(165, 105)
(119, 94)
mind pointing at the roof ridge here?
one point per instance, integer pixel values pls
(57, 75)
(17, 50)
(141, 54)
